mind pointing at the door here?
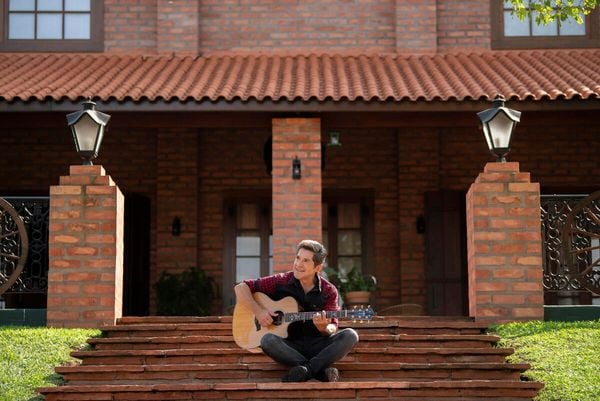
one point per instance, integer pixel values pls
(136, 256)
(446, 253)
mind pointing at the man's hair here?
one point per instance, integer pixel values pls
(318, 250)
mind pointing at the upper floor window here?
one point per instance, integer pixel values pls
(51, 25)
(509, 32)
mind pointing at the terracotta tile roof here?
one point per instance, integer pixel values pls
(532, 74)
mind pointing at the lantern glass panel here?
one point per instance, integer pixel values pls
(86, 130)
(500, 128)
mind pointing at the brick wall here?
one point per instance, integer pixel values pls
(176, 196)
(418, 168)
(130, 26)
(178, 26)
(416, 25)
(220, 178)
(368, 160)
(326, 24)
(463, 24)
(189, 26)
(560, 157)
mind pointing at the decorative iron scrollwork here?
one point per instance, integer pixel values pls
(580, 239)
(14, 245)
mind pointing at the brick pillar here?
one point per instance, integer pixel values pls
(504, 245)
(85, 277)
(296, 203)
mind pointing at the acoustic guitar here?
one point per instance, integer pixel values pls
(247, 332)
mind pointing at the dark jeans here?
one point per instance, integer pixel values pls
(316, 353)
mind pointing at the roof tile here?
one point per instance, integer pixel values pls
(526, 74)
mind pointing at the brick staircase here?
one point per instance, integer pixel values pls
(397, 358)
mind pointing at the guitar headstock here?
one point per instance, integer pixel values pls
(361, 313)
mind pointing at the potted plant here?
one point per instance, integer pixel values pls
(355, 287)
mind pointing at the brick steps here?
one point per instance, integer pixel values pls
(224, 341)
(464, 390)
(236, 355)
(174, 358)
(140, 374)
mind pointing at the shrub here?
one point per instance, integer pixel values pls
(189, 293)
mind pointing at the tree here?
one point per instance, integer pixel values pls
(547, 11)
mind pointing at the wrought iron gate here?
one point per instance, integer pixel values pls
(571, 242)
(32, 276)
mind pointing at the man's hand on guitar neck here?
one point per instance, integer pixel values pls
(323, 323)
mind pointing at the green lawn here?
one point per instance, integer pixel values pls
(565, 356)
(28, 357)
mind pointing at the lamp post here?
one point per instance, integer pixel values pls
(88, 126)
(498, 123)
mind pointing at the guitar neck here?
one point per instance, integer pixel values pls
(300, 316)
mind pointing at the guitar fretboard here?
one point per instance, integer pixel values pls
(300, 316)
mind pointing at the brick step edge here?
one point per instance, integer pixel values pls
(440, 390)
(345, 366)
(485, 338)
(238, 351)
(133, 320)
(376, 323)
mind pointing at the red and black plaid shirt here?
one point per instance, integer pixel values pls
(324, 296)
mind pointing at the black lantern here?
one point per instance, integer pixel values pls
(296, 168)
(499, 122)
(88, 127)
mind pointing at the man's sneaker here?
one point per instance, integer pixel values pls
(331, 375)
(297, 374)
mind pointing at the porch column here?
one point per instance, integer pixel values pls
(85, 277)
(504, 245)
(296, 202)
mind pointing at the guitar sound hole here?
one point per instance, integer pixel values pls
(278, 320)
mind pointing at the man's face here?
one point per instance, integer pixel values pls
(304, 267)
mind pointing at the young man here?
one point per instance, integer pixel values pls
(311, 346)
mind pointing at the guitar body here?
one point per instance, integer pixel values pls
(247, 332)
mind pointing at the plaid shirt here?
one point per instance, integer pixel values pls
(323, 296)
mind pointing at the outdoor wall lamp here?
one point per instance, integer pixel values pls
(88, 126)
(176, 227)
(296, 168)
(334, 140)
(499, 122)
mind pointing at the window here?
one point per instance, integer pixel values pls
(508, 32)
(347, 231)
(51, 25)
(248, 248)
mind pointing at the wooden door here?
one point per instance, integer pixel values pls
(446, 253)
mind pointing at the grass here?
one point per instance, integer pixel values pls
(564, 356)
(28, 357)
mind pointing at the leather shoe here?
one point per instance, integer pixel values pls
(297, 374)
(331, 375)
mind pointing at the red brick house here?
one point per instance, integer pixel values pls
(212, 100)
